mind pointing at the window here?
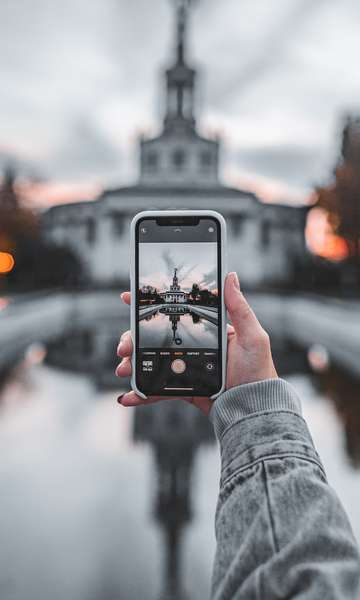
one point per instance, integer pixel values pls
(205, 158)
(152, 159)
(87, 342)
(265, 234)
(90, 230)
(179, 158)
(237, 222)
(172, 102)
(187, 103)
(118, 223)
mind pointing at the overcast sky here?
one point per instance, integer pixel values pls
(81, 78)
(158, 261)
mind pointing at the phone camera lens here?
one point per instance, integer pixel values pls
(211, 230)
(143, 230)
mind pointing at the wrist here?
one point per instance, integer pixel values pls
(237, 403)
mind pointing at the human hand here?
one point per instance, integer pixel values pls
(249, 356)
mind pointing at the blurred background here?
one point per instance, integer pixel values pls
(109, 107)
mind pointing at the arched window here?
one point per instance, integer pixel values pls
(172, 101)
(179, 158)
(187, 103)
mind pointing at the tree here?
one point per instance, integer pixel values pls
(341, 199)
(38, 263)
(17, 223)
(194, 292)
(205, 297)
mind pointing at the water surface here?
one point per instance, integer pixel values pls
(100, 502)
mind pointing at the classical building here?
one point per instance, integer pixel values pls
(175, 295)
(180, 169)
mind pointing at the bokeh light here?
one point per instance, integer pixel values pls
(321, 239)
(318, 357)
(7, 262)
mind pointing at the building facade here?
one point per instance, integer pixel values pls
(180, 169)
(175, 295)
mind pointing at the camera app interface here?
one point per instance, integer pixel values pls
(178, 308)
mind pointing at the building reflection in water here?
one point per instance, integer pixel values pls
(175, 431)
(91, 350)
(177, 325)
(174, 318)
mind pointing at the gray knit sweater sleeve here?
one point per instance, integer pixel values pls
(281, 531)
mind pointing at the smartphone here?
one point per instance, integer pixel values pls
(177, 304)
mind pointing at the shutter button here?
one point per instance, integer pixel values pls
(178, 366)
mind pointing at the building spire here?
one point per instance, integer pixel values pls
(180, 77)
(181, 18)
(180, 156)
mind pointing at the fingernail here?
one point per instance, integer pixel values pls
(235, 280)
(120, 397)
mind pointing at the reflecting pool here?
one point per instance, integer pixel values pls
(165, 329)
(99, 502)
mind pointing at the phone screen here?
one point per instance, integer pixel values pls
(178, 306)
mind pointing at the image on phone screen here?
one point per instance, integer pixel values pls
(178, 306)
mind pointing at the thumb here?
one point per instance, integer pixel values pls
(241, 315)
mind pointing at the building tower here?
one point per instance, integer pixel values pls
(175, 282)
(179, 156)
(179, 169)
(175, 294)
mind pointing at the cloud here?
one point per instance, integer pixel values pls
(210, 279)
(169, 261)
(80, 79)
(85, 151)
(256, 60)
(286, 162)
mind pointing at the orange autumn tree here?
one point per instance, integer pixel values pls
(341, 199)
(29, 261)
(16, 222)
